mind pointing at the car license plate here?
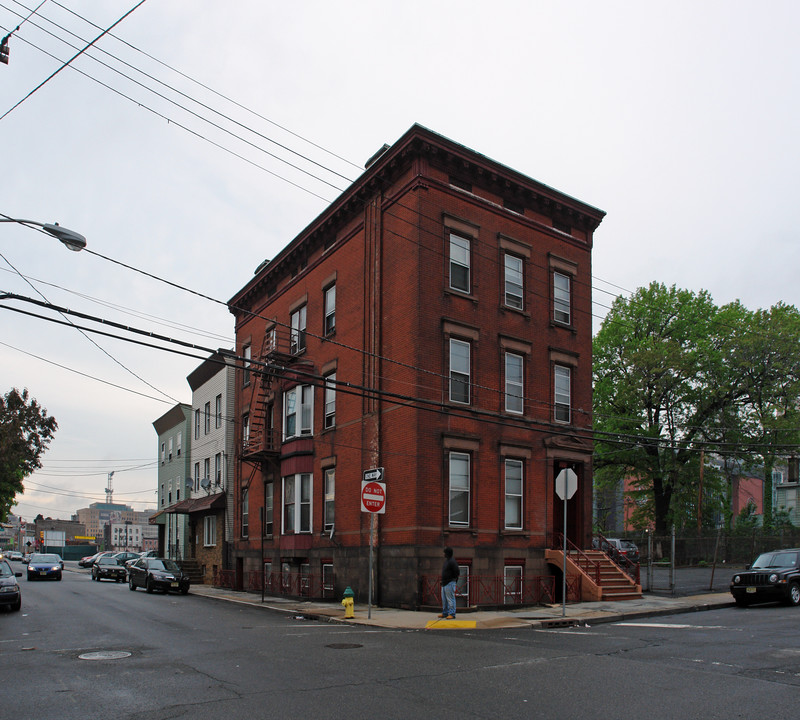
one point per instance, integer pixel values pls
(174, 584)
(42, 572)
(750, 590)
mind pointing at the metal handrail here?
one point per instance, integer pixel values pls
(579, 558)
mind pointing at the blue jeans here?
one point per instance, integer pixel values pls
(449, 599)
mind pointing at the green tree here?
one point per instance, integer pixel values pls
(666, 369)
(25, 432)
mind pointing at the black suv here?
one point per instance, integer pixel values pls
(773, 576)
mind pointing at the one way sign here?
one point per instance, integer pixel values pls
(373, 474)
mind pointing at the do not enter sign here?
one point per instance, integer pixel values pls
(373, 497)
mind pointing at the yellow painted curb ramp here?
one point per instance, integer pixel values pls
(443, 624)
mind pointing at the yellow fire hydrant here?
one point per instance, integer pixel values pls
(347, 601)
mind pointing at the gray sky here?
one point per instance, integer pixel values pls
(678, 119)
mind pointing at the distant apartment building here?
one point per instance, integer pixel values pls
(174, 479)
(208, 506)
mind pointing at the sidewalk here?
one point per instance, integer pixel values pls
(548, 616)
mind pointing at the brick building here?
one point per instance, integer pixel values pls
(433, 321)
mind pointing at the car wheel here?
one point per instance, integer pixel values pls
(149, 586)
(131, 586)
(794, 593)
(185, 591)
(15, 608)
(30, 577)
(58, 577)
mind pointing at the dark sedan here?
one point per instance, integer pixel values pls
(157, 574)
(773, 576)
(10, 594)
(43, 566)
(108, 568)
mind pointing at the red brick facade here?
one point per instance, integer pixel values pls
(461, 351)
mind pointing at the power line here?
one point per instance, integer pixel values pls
(68, 62)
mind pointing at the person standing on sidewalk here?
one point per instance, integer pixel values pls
(450, 574)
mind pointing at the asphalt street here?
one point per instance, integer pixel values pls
(81, 649)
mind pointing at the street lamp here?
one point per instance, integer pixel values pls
(73, 240)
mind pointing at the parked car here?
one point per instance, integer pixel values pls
(89, 560)
(10, 593)
(44, 565)
(620, 549)
(157, 574)
(15, 555)
(775, 575)
(108, 568)
(123, 557)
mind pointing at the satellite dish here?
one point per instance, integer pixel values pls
(189, 483)
(205, 483)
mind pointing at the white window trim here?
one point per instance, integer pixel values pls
(462, 244)
(297, 335)
(562, 398)
(520, 305)
(330, 401)
(330, 497)
(460, 371)
(459, 490)
(510, 396)
(303, 400)
(517, 497)
(209, 531)
(297, 504)
(562, 299)
(330, 310)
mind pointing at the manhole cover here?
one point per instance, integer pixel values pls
(105, 655)
(343, 646)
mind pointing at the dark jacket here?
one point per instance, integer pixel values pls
(450, 571)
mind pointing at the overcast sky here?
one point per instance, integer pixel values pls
(678, 119)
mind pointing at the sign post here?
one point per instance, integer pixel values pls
(373, 501)
(566, 485)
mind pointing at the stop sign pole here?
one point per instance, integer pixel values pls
(566, 485)
(373, 501)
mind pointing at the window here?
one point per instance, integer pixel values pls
(196, 476)
(207, 418)
(197, 423)
(562, 393)
(298, 411)
(330, 493)
(268, 505)
(513, 495)
(218, 411)
(297, 341)
(513, 281)
(218, 468)
(330, 310)
(459, 371)
(245, 429)
(512, 584)
(247, 354)
(209, 531)
(163, 453)
(179, 442)
(207, 469)
(328, 580)
(162, 494)
(245, 512)
(462, 586)
(330, 401)
(561, 298)
(459, 263)
(297, 504)
(169, 449)
(514, 384)
(459, 488)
